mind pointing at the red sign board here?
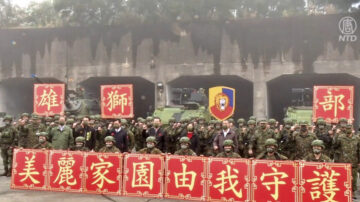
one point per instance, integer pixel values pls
(274, 180)
(65, 171)
(228, 179)
(325, 182)
(117, 101)
(29, 170)
(49, 99)
(143, 175)
(185, 177)
(333, 103)
(103, 173)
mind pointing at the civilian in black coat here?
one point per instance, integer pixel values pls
(120, 135)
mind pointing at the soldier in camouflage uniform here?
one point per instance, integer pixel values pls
(184, 148)
(228, 150)
(348, 148)
(43, 143)
(317, 154)
(204, 138)
(257, 141)
(109, 146)
(79, 144)
(286, 146)
(131, 136)
(270, 151)
(248, 134)
(139, 134)
(322, 134)
(150, 146)
(8, 140)
(302, 141)
(171, 136)
(29, 131)
(241, 132)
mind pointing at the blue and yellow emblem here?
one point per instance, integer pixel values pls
(221, 102)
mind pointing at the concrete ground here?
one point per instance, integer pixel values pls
(10, 195)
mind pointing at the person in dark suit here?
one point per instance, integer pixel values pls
(225, 134)
(120, 135)
(159, 134)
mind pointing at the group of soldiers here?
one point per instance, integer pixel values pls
(255, 138)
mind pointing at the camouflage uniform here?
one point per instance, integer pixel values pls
(257, 141)
(230, 154)
(302, 141)
(139, 135)
(204, 140)
(8, 140)
(45, 145)
(171, 136)
(265, 154)
(250, 132)
(187, 151)
(322, 158)
(131, 136)
(83, 148)
(322, 134)
(152, 150)
(112, 149)
(348, 148)
(240, 132)
(286, 146)
(29, 131)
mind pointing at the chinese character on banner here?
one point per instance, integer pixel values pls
(325, 182)
(66, 171)
(103, 173)
(229, 179)
(143, 175)
(185, 177)
(49, 99)
(29, 169)
(333, 103)
(117, 101)
(274, 181)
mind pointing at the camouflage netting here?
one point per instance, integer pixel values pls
(260, 40)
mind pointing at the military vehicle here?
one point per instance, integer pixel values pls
(79, 103)
(301, 109)
(186, 103)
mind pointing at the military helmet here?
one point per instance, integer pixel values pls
(149, 118)
(320, 122)
(48, 119)
(139, 119)
(343, 120)
(319, 119)
(251, 122)
(319, 143)
(184, 120)
(72, 117)
(45, 134)
(151, 139)
(123, 121)
(349, 126)
(231, 120)
(252, 118)
(212, 122)
(80, 139)
(288, 121)
(8, 118)
(184, 140)
(301, 123)
(24, 114)
(272, 121)
(262, 120)
(35, 116)
(92, 117)
(70, 121)
(142, 120)
(241, 120)
(271, 142)
(97, 116)
(217, 122)
(228, 143)
(109, 138)
(172, 120)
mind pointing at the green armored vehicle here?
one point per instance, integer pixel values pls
(300, 113)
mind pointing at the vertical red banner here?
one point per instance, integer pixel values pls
(185, 177)
(66, 171)
(333, 103)
(29, 169)
(143, 175)
(103, 173)
(117, 101)
(228, 179)
(274, 180)
(49, 99)
(325, 182)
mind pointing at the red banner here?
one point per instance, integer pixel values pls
(274, 180)
(103, 173)
(229, 179)
(49, 99)
(325, 182)
(185, 178)
(143, 175)
(117, 101)
(333, 103)
(29, 170)
(65, 171)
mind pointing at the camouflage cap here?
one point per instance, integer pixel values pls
(271, 142)
(319, 143)
(184, 140)
(151, 139)
(80, 139)
(228, 143)
(109, 139)
(8, 118)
